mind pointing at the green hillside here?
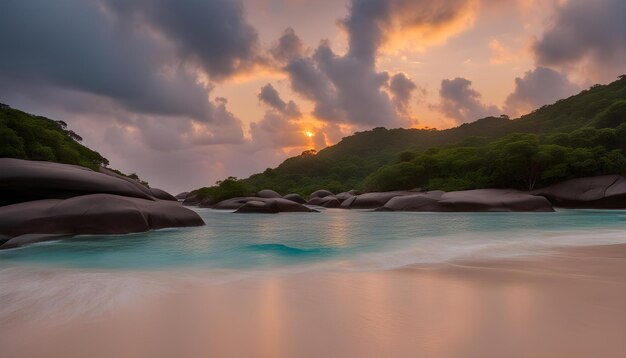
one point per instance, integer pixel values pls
(25, 136)
(581, 135)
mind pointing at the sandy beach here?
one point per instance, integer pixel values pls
(568, 302)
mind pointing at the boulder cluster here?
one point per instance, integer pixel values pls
(43, 200)
(601, 192)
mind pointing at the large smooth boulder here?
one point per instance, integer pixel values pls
(320, 194)
(295, 198)
(268, 194)
(91, 214)
(600, 192)
(182, 195)
(372, 200)
(346, 195)
(327, 202)
(25, 180)
(272, 206)
(487, 200)
(162, 194)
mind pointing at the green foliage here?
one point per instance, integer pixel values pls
(473, 155)
(25, 136)
(613, 116)
(228, 188)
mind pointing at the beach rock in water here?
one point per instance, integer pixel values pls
(327, 202)
(295, 198)
(320, 194)
(25, 180)
(182, 195)
(346, 195)
(600, 192)
(162, 194)
(234, 203)
(268, 194)
(91, 214)
(489, 200)
(272, 206)
(372, 200)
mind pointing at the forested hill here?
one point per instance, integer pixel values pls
(26, 136)
(570, 130)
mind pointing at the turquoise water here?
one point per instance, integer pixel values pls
(333, 238)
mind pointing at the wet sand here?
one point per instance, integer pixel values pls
(567, 303)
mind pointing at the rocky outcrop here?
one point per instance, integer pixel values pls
(327, 202)
(272, 206)
(487, 200)
(346, 195)
(90, 214)
(182, 196)
(372, 200)
(268, 194)
(320, 194)
(295, 198)
(24, 180)
(600, 192)
(41, 200)
(162, 194)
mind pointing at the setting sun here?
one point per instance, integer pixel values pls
(308, 134)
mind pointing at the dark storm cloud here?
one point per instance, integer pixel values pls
(462, 103)
(344, 89)
(308, 81)
(289, 46)
(78, 45)
(537, 88)
(212, 32)
(270, 97)
(365, 27)
(401, 88)
(348, 88)
(594, 30)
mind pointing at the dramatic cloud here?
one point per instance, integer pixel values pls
(212, 32)
(537, 88)
(270, 97)
(590, 35)
(393, 24)
(289, 46)
(77, 45)
(402, 88)
(462, 103)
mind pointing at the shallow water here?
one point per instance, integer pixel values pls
(332, 239)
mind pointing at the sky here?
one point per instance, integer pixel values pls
(188, 92)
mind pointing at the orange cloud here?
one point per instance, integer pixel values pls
(417, 25)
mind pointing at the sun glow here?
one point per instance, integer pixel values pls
(308, 134)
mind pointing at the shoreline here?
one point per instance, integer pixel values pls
(565, 302)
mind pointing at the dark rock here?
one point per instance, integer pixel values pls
(268, 194)
(372, 200)
(346, 203)
(600, 192)
(327, 202)
(92, 214)
(295, 198)
(320, 194)
(24, 180)
(272, 206)
(162, 194)
(346, 195)
(491, 200)
(133, 182)
(192, 198)
(234, 203)
(182, 195)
